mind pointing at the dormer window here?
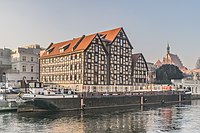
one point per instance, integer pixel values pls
(50, 50)
(63, 48)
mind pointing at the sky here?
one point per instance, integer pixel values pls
(149, 24)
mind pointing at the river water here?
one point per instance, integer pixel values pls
(172, 118)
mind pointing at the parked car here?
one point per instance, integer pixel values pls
(14, 90)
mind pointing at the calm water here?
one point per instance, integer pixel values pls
(174, 119)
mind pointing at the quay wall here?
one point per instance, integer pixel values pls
(102, 102)
(111, 101)
(58, 103)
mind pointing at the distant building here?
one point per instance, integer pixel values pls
(170, 58)
(19, 63)
(189, 84)
(5, 61)
(25, 63)
(91, 62)
(197, 66)
(151, 77)
(158, 63)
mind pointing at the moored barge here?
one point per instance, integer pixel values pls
(84, 101)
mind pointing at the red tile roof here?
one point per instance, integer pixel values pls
(158, 63)
(80, 43)
(110, 34)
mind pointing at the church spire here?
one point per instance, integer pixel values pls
(168, 48)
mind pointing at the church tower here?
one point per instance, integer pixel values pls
(168, 48)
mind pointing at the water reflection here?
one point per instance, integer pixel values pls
(174, 118)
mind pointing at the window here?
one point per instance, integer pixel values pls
(23, 68)
(126, 59)
(97, 48)
(95, 79)
(96, 59)
(102, 78)
(31, 78)
(61, 50)
(96, 41)
(89, 66)
(70, 67)
(121, 42)
(31, 68)
(102, 67)
(121, 51)
(126, 68)
(115, 58)
(120, 80)
(115, 67)
(89, 55)
(121, 60)
(121, 69)
(115, 48)
(121, 34)
(23, 58)
(102, 57)
(96, 68)
(31, 59)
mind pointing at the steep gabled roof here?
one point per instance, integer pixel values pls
(80, 43)
(76, 44)
(110, 35)
(172, 59)
(176, 60)
(135, 58)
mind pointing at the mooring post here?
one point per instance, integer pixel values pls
(179, 98)
(82, 105)
(142, 100)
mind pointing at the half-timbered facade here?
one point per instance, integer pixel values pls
(139, 71)
(71, 64)
(101, 61)
(120, 51)
(95, 63)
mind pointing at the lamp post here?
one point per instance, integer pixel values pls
(4, 84)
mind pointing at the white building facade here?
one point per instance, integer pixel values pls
(19, 63)
(192, 85)
(5, 61)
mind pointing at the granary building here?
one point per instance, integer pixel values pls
(100, 61)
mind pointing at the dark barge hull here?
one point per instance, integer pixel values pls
(100, 101)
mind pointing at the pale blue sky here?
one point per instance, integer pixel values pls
(149, 24)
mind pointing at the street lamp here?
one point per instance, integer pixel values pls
(4, 83)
